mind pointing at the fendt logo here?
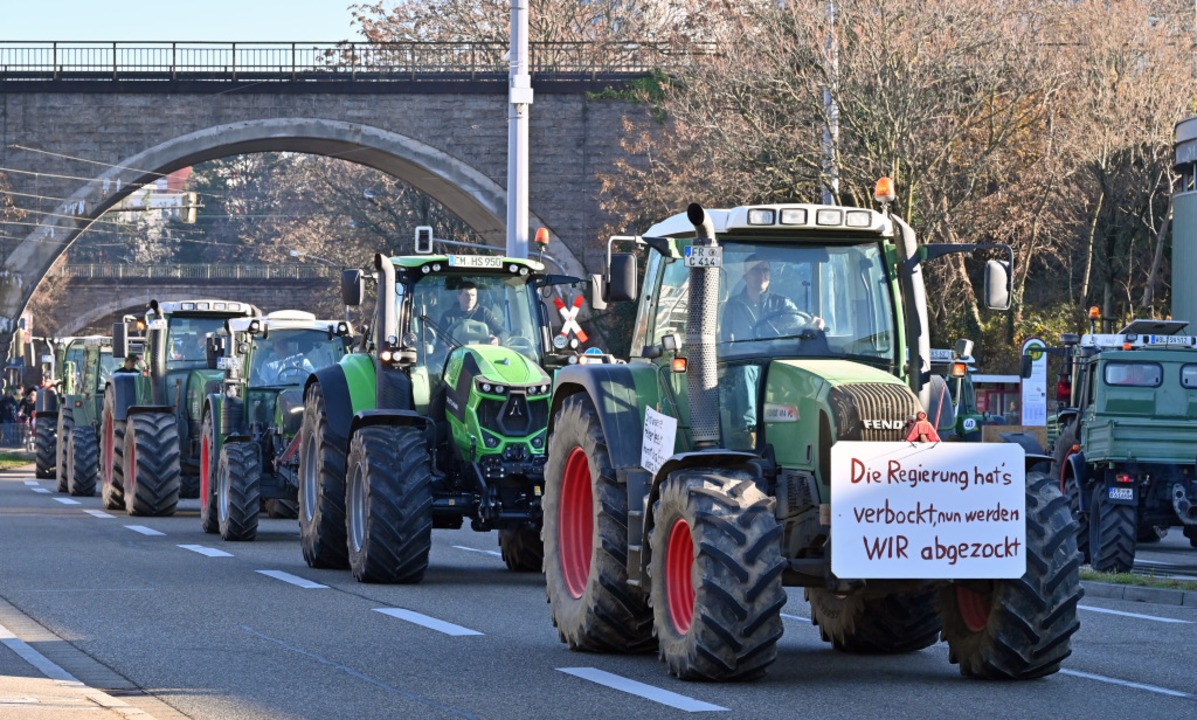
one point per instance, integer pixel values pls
(884, 424)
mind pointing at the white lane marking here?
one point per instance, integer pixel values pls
(431, 623)
(98, 513)
(205, 550)
(484, 552)
(144, 530)
(1133, 615)
(1139, 561)
(639, 689)
(46, 666)
(68, 501)
(1128, 683)
(41, 490)
(293, 579)
(795, 617)
(32, 482)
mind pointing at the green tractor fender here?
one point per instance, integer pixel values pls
(620, 393)
(125, 393)
(348, 388)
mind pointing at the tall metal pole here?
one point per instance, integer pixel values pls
(520, 101)
(831, 128)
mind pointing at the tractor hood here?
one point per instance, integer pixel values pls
(820, 375)
(495, 364)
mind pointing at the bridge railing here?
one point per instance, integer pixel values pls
(312, 61)
(197, 272)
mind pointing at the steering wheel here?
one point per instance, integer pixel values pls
(786, 321)
(291, 374)
(521, 345)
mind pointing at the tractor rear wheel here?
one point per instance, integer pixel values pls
(716, 575)
(586, 540)
(1020, 629)
(62, 431)
(239, 491)
(83, 461)
(891, 623)
(1112, 533)
(152, 479)
(321, 488)
(209, 521)
(45, 449)
(522, 549)
(112, 455)
(389, 505)
(1071, 486)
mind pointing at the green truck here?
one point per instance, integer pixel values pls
(250, 429)
(754, 441)
(437, 418)
(150, 422)
(1126, 454)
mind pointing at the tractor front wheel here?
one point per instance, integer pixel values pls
(389, 505)
(209, 521)
(716, 575)
(112, 454)
(45, 450)
(1020, 629)
(83, 461)
(239, 491)
(586, 540)
(321, 488)
(522, 549)
(152, 478)
(890, 623)
(62, 430)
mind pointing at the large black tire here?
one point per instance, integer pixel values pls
(1113, 530)
(586, 540)
(45, 463)
(321, 488)
(209, 520)
(891, 623)
(62, 431)
(716, 575)
(283, 508)
(83, 461)
(112, 455)
(1021, 629)
(1070, 486)
(522, 549)
(239, 490)
(152, 477)
(389, 505)
(1190, 532)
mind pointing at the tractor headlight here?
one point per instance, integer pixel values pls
(485, 387)
(538, 442)
(492, 441)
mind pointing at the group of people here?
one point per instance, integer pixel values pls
(16, 414)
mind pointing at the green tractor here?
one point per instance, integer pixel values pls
(959, 417)
(150, 422)
(84, 380)
(771, 430)
(250, 429)
(1128, 438)
(49, 418)
(438, 418)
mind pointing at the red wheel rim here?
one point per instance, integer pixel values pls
(974, 608)
(575, 528)
(205, 467)
(679, 582)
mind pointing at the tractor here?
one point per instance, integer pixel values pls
(438, 416)
(50, 422)
(150, 422)
(84, 380)
(754, 441)
(250, 429)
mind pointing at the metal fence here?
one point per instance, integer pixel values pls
(116, 271)
(243, 61)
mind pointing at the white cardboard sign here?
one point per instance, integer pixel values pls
(660, 430)
(942, 510)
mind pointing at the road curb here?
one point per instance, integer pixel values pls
(1139, 593)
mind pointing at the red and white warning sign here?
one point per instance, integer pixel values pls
(570, 317)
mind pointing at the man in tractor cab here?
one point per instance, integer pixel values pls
(277, 354)
(467, 308)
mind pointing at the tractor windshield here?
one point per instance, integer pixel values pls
(185, 340)
(450, 310)
(781, 299)
(285, 357)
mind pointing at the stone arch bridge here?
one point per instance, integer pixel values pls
(83, 125)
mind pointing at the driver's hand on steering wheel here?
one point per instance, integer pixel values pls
(817, 323)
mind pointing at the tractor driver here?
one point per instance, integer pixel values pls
(468, 309)
(278, 354)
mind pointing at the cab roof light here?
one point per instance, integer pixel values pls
(829, 216)
(858, 219)
(1094, 313)
(959, 369)
(542, 237)
(793, 216)
(678, 365)
(761, 216)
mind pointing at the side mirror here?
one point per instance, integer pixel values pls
(1024, 369)
(120, 340)
(597, 301)
(997, 285)
(213, 349)
(353, 287)
(1069, 339)
(964, 348)
(622, 286)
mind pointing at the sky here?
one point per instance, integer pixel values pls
(177, 20)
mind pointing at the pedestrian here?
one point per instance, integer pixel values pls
(25, 411)
(8, 417)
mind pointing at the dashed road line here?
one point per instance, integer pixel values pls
(292, 579)
(144, 530)
(32, 482)
(41, 490)
(1139, 616)
(99, 514)
(205, 550)
(429, 622)
(68, 501)
(1129, 684)
(639, 689)
(496, 553)
(1139, 561)
(795, 617)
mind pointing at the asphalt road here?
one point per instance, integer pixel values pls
(221, 630)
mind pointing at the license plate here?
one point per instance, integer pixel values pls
(1171, 340)
(1117, 493)
(476, 261)
(704, 256)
